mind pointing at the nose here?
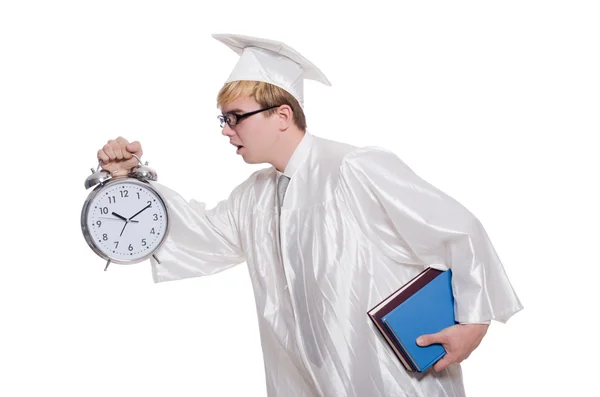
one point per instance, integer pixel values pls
(228, 131)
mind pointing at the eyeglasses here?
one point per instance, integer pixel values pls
(233, 119)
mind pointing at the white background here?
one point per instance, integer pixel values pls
(495, 103)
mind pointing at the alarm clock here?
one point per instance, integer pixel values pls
(124, 219)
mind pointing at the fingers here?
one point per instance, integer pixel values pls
(112, 167)
(117, 155)
(109, 152)
(443, 363)
(103, 157)
(116, 149)
(428, 339)
(135, 148)
(115, 145)
(122, 147)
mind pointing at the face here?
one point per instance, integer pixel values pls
(257, 134)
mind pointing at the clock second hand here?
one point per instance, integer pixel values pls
(115, 219)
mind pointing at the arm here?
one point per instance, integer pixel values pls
(409, 218)
(200, 242)
(404, 214)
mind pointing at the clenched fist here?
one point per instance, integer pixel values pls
(117, 156)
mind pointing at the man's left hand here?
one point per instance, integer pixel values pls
(459, 341)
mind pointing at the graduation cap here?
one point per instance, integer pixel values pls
(272, 62)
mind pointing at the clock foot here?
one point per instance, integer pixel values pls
(107, 263)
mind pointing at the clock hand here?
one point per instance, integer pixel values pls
(119, 216)
(122, 230)
(140, 211)
(115, 219)
(123, 218)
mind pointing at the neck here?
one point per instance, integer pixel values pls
(286, 145)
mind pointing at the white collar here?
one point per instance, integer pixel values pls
(297, 157)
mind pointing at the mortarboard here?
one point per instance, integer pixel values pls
(273, 62)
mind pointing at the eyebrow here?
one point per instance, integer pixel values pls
(236, 110)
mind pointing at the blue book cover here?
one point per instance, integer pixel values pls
(427, 311)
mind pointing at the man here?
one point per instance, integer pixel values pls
(328, 231)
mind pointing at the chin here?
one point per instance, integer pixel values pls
(247, 159)
(251, 160)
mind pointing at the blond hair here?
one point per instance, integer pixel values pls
(265, 94)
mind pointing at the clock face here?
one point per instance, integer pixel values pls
(126, 220)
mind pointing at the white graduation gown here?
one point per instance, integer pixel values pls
(355, 225)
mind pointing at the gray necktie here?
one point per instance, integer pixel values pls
(282, 185)
(309, 340)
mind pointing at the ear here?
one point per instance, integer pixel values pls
(285, 115)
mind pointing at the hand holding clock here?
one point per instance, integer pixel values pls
(120, 157)
(117, 156)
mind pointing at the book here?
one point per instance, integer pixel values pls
(424, 305)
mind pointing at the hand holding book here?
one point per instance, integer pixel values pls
(459, 341)
(417, 322)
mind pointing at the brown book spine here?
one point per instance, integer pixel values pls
(418, 282)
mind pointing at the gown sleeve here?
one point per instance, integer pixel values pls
(200, 241)
(401, 213)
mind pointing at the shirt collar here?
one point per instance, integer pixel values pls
(298, 155)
